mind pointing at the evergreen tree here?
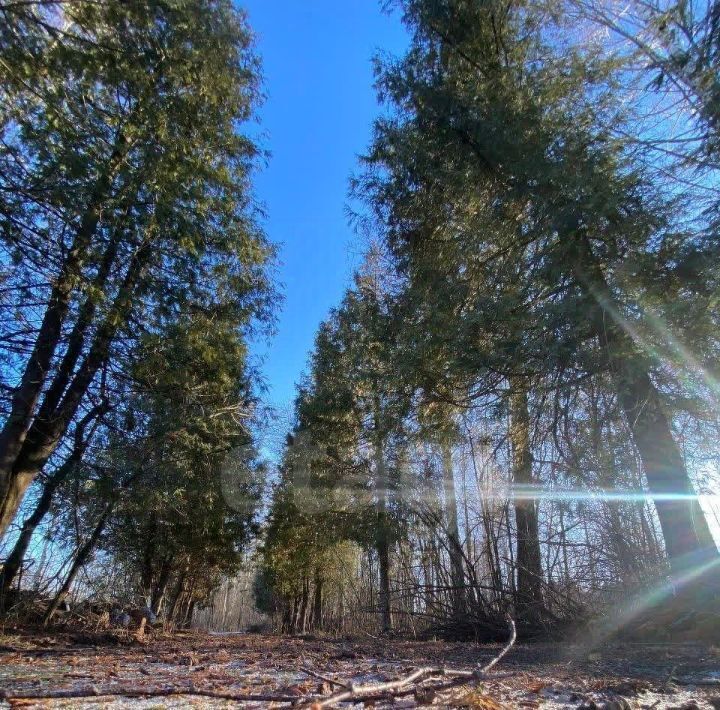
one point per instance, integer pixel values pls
(124, 192)
(491, 171)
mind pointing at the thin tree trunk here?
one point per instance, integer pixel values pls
(529, 600)
(287, 615)
(457, 572)
(305, 600)
(81, 558)
(563, 545)
(318, 600)
(148, 557)
(187, 621)
(469, 548)
(177, 595)
(188, 604)
(158, 592)
(491, 551)
(295, 615)
(383, 536)
(341, 607)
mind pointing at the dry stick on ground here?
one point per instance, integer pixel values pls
(331, 681)
(510, 643)
(690, 680)
(359, 693)
(95, 692)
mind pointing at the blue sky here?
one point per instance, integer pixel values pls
(317, 119)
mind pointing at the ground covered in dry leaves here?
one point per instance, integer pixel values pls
(198, 670)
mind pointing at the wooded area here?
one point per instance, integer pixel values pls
(134, 271)
(515, 406)
(512, 416)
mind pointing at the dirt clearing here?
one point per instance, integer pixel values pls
(205, 670)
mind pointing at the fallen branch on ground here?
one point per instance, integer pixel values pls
(410, 683)
(511, 642)
(695, 680)
(95, 692)
(325, 678)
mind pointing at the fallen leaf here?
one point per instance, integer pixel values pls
(475, 700)
(538, 686)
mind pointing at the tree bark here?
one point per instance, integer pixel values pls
(455, 548)
(76, 339)
(305, 600)
(177, 594)
(187, 621)
(383, 535)
(148, 558)
(81, 558)
(14, 561)
(318, 600)
(159, 589)
(25, 398)
(42, 438)
(529, 598)
(688, 540)
(294, 615)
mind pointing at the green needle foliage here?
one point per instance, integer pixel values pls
(543, 288)
(134, 271)
(125, 195)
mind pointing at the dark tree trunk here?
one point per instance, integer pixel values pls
(187, 621)
(317, 617)
(188, 605)
(304, 606)
(76, 339)
(148, 558)
(25, 398)
(295, 614)
(40, 440)
(529, 598)
(341, 609)
(13, 563)
(287, 616)
(688, 540)
(383, 536)
(159, 589)
(176, 597)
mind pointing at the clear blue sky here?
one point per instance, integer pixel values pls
(317, 119)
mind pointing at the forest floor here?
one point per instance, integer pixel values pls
(198, 670)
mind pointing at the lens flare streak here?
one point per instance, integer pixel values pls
(608, 495)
